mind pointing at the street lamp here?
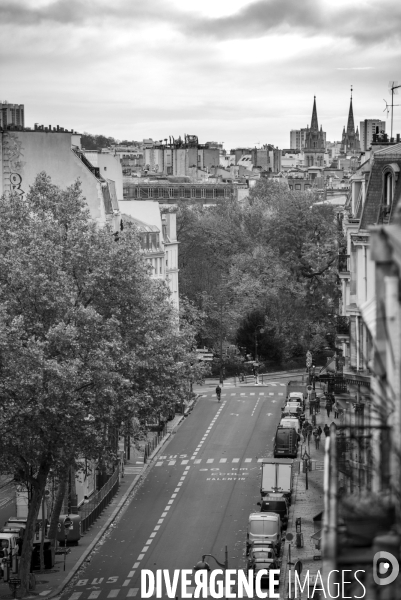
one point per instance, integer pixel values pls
(202, 564)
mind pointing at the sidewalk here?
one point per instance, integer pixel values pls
(306, 504)
(52, 582)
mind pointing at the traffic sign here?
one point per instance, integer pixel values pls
(289, 537)
(68, 523)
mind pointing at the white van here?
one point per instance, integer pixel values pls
(263, 527)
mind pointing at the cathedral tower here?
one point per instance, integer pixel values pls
(350, 143)
(314, 142)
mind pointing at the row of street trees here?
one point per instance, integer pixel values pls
(271, 262)
(88, 341)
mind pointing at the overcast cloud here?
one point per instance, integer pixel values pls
(236, 71)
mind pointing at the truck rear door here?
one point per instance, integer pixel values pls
(284, 478)
(268, 477)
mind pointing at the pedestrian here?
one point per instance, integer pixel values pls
(336, 409)
(309, 432)
(312, 405)
(342, 412)
(316, 435)
(318, 405)
(305, 430)
(326, 430)
(329, 405)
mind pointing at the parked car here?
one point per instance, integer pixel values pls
(262, 556)
(264, 527)
(277, 503)
(286, 441)
(290, 422)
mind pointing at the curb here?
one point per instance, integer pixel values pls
(57, 592)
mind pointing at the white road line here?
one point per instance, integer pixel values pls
(75, 596)
(223, 460)
(132, 592)
(113, 593)
(210, 460)
(252, 394)
(158, 464)
(184, 462)
(172, 462)
(271, 393)
(140, 557)
(248, 460)
(197, 461)
(126, 582)
(136, 565)
(235, 460)
(94, 595)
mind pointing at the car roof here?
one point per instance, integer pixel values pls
(263, 516)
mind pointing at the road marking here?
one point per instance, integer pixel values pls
(140, 557)
(235, 460)
(232, 394)
(281, 393)
(94, 595)
(126, 582)
(158, 464)
(75, 595)
(223, 460)
(136, 565)
(197, 461)
(172, 462)
(242, 394)
(113, 593)
(209, 460)
(184, 462)
(271, 393)
(261, 393)
(131, 573)
(132, 592)
(248, 460)
(252, 394)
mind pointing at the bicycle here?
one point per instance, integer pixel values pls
(218, 396)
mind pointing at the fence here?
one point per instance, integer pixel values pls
(151, 444)
(89, 512)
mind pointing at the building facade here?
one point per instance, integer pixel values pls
(25, 153)
(158, 235)
(368, 128)
(11, 114)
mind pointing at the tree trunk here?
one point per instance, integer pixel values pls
(60, 494)
(38, 488)
(42, 539)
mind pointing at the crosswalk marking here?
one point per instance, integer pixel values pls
(271, 393)
(252, 394)
(133, 470)
(75, 596)
(171, 462)
(209, 460)
(94, 595)
(132, 592)
(248, 460)
(261, 393)
(281, 394)
(197, 461)
(223, 460)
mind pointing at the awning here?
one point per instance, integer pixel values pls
(368, 312)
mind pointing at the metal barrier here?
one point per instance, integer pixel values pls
(89, 512)
(151, 445)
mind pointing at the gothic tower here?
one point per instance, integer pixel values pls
(350, 143)
(314, 142)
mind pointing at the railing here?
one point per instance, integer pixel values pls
(151, 445)
(89, 512)
(343, 263)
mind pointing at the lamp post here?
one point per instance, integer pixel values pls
(256, 340)
(202, 564)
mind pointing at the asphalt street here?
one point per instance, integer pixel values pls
(195, 499)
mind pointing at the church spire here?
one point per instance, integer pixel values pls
(350, 124)
(314, 124)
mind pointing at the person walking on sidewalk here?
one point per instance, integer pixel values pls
(309, 432)
(336, 409)
(326, 430)
(329, 405)
(317, 432)
(317, 404)
(305, 427)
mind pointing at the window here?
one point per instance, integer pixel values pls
(297, 186)
(388, 189)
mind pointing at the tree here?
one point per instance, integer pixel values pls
(275, 254)
(88, 340)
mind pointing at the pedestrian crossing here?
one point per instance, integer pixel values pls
(233, 394)
(165, 461)
(133, 470)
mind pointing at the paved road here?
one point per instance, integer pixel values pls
(196, 498)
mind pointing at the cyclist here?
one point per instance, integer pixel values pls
(218, 392)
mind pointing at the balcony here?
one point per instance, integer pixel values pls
(342, 325)
(343, 263)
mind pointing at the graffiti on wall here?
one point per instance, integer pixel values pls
(12, 164)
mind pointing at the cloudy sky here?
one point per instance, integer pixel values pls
(234, 71)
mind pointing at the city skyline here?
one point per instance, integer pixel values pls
(240, 73)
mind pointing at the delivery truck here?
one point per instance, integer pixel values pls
(277, 476)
